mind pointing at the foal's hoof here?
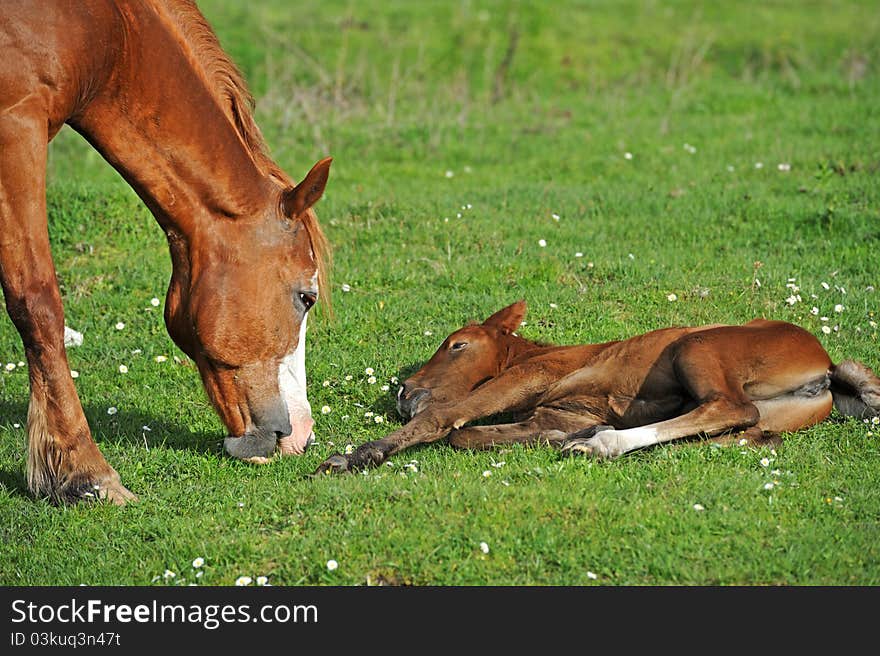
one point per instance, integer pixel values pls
(597, 441)
(335, 464)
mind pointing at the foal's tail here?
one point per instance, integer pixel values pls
(856, 389)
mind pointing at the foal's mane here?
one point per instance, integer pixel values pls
(226, 83)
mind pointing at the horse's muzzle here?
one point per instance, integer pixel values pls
(412, 402)
(258, 444)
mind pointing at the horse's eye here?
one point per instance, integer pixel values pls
(308, 299)
(458, 346)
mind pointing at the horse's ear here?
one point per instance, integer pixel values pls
(508, 319)
(297, 200)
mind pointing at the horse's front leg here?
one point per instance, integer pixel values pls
(63, 461)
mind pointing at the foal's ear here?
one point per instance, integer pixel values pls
(297, 200)
(508, 319)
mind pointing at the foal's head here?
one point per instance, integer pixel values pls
(237, 304)
(466, 359)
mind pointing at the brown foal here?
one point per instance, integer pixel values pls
(732, 383)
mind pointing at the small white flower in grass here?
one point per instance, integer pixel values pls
(326, 383)
(123, 369)
(346, 287)
(379, 419)
(368, 414)
(243, 580)
(631, 256)
(262, 580)
(74, 373)
(690, 149)
(428, 333)
(671, 298)
(578, 254)
(542, 243)
(120, 325)
(349, 449)
(20, 363)
(394, 380)
(369, 371)
(838, 308)
(784, 166)
(555, 217)
(332, 565)
(554, 306)
(765, 462)
(768, 486)
(325, 410)
(826, 330)
(160, 358)
(825, 286)
(814, 311)
(371, 380)
(348, 377)
(199, 574)
(168, 574)
(198, 562)
(627, 155)
(16, 425)
(484, 547)
(487, 474)
(155, 302)
(385, 388)
(10, 366)
(759, 165)
(730, 168)
(592, 575)
(112, 410)
(698, 507)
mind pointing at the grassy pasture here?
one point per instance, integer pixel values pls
(725, 155)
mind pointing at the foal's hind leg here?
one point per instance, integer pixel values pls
(64, 462)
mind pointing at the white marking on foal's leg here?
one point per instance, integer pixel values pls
(613, 443)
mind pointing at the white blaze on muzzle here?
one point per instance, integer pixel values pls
(292, 385)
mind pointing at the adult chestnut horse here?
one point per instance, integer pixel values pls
(147, 84)
(748, 382)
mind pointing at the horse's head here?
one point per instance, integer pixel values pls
(237, 304)
(466, 359)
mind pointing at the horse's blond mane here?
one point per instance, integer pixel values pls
(227, 84)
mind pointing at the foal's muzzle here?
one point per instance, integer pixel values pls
(412, 401)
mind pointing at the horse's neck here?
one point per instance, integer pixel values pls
(157, 123)
(519, 350)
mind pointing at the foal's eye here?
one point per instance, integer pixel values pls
(458, 346)
(308, 299)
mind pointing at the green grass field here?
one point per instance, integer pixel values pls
(724, 153)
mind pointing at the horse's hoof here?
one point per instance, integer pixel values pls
(105, 488)
(335, 464)
(602, 443)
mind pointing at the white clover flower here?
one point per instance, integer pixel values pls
(332, 564)
(671, 298)
(449, 173)
(123, 369)
(120, 325)
(484, 547)
(325, 410)
(112, 410)
(243, 580)
(542, 243)
(198, 562)
(155, 302)
(627, 155)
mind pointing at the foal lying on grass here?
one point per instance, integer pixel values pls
(731, 383)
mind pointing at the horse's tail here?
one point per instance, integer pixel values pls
(856, 389)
